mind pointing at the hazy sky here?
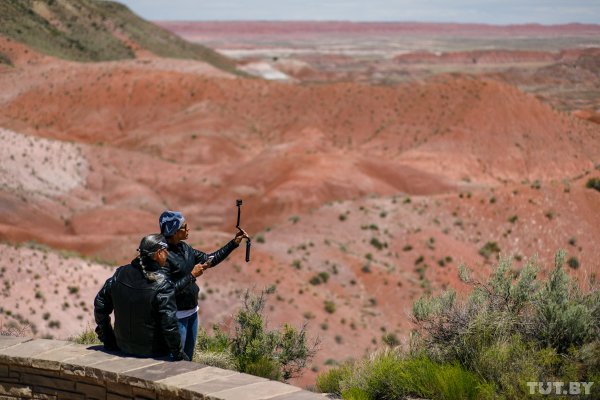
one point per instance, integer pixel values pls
(484, 11)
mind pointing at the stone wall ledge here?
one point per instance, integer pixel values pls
(54, 369)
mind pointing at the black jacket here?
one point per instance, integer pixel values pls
(145, 322)
(182, 259)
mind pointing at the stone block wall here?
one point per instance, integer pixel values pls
(54, 369)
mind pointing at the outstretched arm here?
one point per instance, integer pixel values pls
(223, 252)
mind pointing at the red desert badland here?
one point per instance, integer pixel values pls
(377, 170)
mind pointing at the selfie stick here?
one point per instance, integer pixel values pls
(238, 203)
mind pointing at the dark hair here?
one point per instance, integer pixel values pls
(148, 247)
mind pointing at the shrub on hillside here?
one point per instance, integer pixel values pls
(249, 347)
(515, 328)
(390, 374)
(15, 328)
(488, 249)
(512, 329)
(329, 306)
(4, 59)
(88, 336)
(593, 183)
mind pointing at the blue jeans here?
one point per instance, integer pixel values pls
(188, 329)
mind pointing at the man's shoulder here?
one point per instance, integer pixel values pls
(122, 269)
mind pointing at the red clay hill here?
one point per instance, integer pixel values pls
(363, 195)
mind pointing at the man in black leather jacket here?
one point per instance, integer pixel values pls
(184, 265)
(143, 301)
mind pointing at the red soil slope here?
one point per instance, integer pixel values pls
(386, 188)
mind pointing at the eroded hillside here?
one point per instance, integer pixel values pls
(360, 198)
(89, 30)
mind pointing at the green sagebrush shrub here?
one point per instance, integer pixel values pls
(390, 374)
(249, 347)
(513, 329)
(88, 336)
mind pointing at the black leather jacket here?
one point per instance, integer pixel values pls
(145, 322)
(182, 259)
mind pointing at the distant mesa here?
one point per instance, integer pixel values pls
(477, 57)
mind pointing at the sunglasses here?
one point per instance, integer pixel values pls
(184, 228)
(163, 249)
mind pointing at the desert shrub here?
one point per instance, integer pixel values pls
(324, 276)
(88, 336)
(329, 306)
(390, 339)
(249, 347)
(391, 374)
(377, 243)
(16, 328)
(54, 324)
(564, 317)
(510, 330)
(489, 248)
(308, 315)
(321, 277)
(218, 342)
(73, 289)
(216, 359)
(593, 183)
(5, 60)
(514, 328)
(573, 262)
(329, 382)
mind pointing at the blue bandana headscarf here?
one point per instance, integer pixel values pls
(170, 222)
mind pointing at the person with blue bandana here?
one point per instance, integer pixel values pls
(185, 264)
